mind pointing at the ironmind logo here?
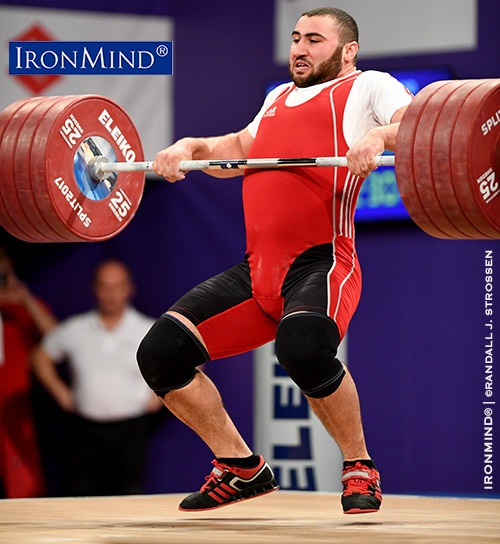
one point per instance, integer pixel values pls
(90, 58)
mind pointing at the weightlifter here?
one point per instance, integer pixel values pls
(300, 280)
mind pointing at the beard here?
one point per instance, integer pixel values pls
(326, 71)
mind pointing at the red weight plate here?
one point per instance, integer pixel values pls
(37, 171)
(90, 126)
(32, 206)
(442, 164)
(422, 161)
(405, 162)
(24, 228)
(6, 220)
(36, 184)
(474, 159)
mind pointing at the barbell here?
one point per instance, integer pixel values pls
(100, 166)
(72, 167)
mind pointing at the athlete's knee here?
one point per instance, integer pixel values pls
(169, 354)
(306, 347)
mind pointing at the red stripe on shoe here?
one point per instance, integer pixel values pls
(221, 493)
(228, 488)
(216, 498)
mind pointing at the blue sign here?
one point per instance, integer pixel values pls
(90, 58)
(379, 198)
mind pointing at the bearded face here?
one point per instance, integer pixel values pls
(304, 73)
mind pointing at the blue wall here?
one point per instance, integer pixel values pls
(416, 344)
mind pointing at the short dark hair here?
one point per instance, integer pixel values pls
(348, 28)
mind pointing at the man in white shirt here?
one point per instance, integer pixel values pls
(107, 398)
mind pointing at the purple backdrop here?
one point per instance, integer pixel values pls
(416, 344)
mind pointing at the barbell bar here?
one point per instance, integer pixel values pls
(100, 166)
(72, 167)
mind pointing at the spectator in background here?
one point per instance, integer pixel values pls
(107, 398)
(23, 321)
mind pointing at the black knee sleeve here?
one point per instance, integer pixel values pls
(306, 346)
(169, 354)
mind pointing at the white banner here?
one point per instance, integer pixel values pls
(288, 434)
(390, 27)
(147, 99)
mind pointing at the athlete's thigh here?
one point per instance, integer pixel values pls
(225, 313)
(320, 282)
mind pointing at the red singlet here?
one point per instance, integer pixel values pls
(301, 254)
(288, 210)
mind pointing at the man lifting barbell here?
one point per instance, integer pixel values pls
(300, 281)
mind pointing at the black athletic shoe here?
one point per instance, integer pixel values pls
(227, 485)
(362, 493)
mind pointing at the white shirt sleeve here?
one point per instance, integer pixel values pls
(55, 341)
(270, 98)
(373, 100)
(387, 95)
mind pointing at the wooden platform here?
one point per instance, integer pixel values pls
(281, 517)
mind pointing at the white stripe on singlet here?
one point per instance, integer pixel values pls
(345, 210)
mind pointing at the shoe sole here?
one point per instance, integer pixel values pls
(250, 496)
(361, 511)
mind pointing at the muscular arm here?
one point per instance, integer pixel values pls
(361, 157)
(234, 145)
